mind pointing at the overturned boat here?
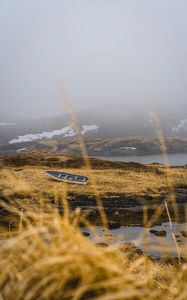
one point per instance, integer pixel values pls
(66, 177)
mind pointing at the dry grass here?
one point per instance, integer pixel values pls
(125, 179)
(50, 259)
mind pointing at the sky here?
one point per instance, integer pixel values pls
(109, 54)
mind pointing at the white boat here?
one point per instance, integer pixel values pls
(66, 177)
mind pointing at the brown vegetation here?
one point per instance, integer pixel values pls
(112, 178)
(47, 256)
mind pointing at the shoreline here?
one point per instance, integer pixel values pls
(125, 189)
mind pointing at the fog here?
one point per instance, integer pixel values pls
(111, 55)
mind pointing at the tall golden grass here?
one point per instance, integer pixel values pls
(49, 258)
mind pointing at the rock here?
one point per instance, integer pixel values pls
(157, 232)
(179, 241)
(108, 234)
(85, 233)
(114, 225)
(184, 233)
(102, 245)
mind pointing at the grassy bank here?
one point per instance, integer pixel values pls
(27, 172)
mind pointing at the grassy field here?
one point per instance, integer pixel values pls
(27, 172)
(49, 258)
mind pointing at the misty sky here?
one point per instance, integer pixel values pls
(108, 53)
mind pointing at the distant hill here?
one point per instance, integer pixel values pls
(39, 133)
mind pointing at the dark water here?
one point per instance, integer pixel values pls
(142, 238)
(178, 159)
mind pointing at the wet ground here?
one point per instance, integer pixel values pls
(146, 239)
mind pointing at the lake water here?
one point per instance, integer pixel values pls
(178, 159)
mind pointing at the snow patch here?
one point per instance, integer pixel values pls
(86, 128)
(7, 124)
(22, 149)
(182, 125)
(66, 132)
(128, 148)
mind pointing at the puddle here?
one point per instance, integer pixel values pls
(149, 243)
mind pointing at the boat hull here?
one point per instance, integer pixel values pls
(63, 177)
